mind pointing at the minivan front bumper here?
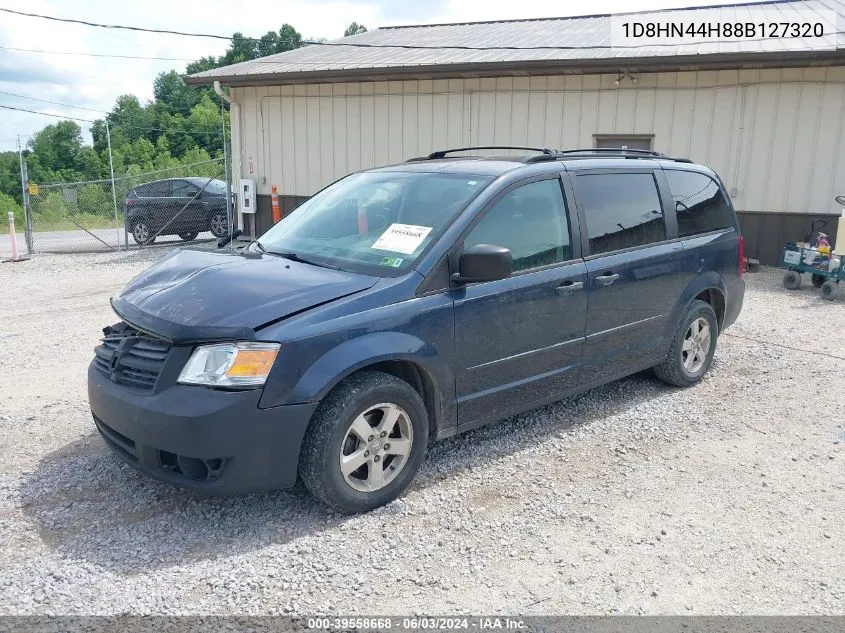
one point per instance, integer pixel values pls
(215, 442)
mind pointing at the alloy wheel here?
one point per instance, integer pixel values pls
(376, 447)
(141, 232)
(696, 345)
(219, 225)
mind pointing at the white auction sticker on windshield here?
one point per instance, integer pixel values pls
(402, 238)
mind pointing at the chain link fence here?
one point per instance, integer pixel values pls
(179, 204)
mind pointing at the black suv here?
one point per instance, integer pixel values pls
(405, 304)
(177, 206)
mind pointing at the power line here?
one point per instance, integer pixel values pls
(112, 26)
(58, 116)
(66, 105)
(119, 125)
(437, 47)
(142, 57)
(42, 51)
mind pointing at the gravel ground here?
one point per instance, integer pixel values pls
(632, 498)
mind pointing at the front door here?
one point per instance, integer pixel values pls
(519, 340)
(635, 273)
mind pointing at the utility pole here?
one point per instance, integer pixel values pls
(27, 231)
(113, 192)
(227, 175)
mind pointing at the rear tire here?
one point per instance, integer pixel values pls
(818, 280)
(829, 290)
(792, 280)
(219, 224)
(692, 349)
(365, 443)
(142, 233)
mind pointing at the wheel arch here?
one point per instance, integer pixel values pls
(708, 287)
(716, 299)
(401, 355)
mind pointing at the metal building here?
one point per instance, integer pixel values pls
(769, 115)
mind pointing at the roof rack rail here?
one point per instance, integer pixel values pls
(600, 151)
(442, 153)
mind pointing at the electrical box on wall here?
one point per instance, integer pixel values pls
(246, 194)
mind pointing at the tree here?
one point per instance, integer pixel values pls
(241, 49)
(8, 203)
(143, 152)
(130, 117)
(57, 145)
(89, 164)
(201, 65)
(94, 199)
(173, 94)
(206, 124)
(354, 29)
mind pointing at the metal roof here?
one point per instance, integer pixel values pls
(588, 39)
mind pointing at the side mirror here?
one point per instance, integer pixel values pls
(483, 262)
(840, 200)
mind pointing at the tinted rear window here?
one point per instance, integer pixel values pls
(699, 203)
(157, 189)
(622, 210)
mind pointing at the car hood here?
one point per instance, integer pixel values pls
(195, 295)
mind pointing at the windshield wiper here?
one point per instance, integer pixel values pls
(298, 258)
(248, 253)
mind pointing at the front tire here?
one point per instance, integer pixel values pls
(691, 352)
(792, 280)
(365, 443)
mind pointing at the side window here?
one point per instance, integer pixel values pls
(622, 210)
(531, 222)
(699, 203)
(157, 189)
(183, 189)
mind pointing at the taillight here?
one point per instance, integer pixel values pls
(741, 256)
(128, 203)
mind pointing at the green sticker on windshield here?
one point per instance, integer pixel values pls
(393, 262)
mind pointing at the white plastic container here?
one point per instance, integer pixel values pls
(839, 244)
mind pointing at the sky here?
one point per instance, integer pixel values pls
(95, 82)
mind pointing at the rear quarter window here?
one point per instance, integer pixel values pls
(700, 205)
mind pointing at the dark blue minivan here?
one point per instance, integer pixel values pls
(405, 304)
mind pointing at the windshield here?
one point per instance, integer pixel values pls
(382, 220)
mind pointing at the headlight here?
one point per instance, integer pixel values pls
(230, 365)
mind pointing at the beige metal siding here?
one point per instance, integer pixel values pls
(775, 136)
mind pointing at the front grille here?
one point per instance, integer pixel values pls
(129, 357)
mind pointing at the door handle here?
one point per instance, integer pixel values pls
(569, 286)
(607, 278)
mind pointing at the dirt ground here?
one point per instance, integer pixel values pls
(726, 498)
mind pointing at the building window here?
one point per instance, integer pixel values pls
(630, 141)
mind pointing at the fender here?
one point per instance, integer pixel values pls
(352, 355)
(701, 282)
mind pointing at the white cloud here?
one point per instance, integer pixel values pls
(95, 82)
